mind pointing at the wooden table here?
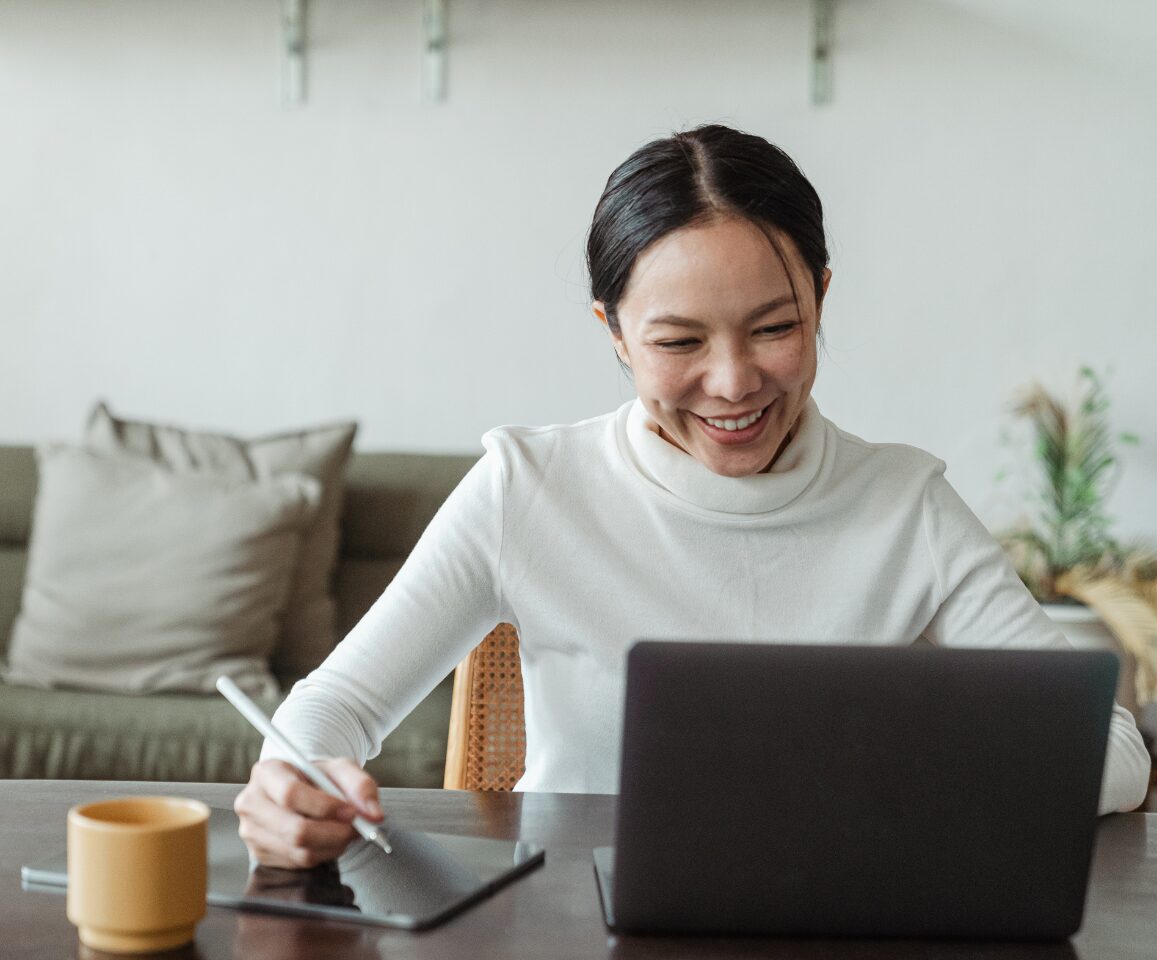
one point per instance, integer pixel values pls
(552, 912)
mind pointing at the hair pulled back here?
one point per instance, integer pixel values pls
(693, 177)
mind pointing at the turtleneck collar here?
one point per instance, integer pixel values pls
(685, 479)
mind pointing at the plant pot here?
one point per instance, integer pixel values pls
(1085, 630)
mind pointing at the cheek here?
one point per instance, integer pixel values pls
(664, 380)
(796, 364)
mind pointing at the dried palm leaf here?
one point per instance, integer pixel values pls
(1127, 613)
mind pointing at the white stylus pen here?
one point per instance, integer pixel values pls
(251, 712)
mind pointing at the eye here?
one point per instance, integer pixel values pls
(776, 329)
(674, 346)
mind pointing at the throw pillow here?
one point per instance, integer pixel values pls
(141, 579)
(320, 452)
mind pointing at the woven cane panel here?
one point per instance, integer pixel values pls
(496, 728)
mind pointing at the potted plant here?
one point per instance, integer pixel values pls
(1099, 591)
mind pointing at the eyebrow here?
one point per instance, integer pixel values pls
(675, 320)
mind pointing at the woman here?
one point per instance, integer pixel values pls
(719, 504)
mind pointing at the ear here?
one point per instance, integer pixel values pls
(599, 309)
(820, 305)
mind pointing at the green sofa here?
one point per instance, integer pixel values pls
(76, 734)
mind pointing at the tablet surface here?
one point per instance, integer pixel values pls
(427, 879)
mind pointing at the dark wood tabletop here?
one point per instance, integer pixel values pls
(552, 912)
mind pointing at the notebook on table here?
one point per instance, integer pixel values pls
(821, 790)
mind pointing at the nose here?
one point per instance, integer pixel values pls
(732, 375)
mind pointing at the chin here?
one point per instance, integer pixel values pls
(737, 466)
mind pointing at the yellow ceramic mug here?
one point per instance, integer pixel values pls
(137, 872)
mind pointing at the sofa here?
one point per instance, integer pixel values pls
(388, 498)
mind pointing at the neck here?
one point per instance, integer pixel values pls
(783, 446)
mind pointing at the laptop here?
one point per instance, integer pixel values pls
(854, 791)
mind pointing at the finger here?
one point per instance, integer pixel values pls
(289, 788)
(356, 784)
(275, 832)
(268, 851)
(271, 849)
(279, 837)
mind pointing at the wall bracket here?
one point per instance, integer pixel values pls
(293, 52)
(434, 57)
(823, 38)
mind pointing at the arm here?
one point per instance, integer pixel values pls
(984, 602)
(439, 606)
(442, 602)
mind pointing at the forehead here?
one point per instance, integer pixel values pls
(721, 266)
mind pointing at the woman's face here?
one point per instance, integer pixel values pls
(722, 355)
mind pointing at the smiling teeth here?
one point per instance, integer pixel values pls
(739, 424)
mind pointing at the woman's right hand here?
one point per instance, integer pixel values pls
(288, 822)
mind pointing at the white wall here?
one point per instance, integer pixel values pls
(175, 241)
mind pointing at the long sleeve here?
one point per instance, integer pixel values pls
(588, 536)
(984, 602)
(440, 605)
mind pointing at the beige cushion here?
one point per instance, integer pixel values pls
(141, 579)
(321, 452)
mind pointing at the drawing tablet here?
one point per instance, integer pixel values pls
(427, 879)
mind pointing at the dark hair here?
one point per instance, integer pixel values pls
(693, 177)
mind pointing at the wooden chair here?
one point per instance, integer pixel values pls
(486, 747)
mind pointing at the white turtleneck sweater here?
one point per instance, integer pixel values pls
(590, 536)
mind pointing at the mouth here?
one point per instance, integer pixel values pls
(731, 424)
(729, 430)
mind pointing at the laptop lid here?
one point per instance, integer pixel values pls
(857, 791)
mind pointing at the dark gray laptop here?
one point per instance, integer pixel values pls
(802, 790)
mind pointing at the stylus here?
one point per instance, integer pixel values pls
(251, 712)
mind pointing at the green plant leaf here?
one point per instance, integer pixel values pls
(1072, 448)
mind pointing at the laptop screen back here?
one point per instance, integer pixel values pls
(859, 791)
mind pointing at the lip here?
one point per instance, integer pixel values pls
(731, 416)
(733, 437)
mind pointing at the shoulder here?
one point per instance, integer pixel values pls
(879, 477)
(892, 478)
(522, 466)
(853, 453)
(570, 445)
(536, 443)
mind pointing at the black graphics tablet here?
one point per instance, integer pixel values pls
(804, 790)
(427, 879)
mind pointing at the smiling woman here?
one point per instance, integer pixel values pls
(718, 504)
(722, 354)
(705, 291)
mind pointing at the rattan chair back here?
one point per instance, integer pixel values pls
(486, 747)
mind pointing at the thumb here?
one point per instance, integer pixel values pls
(356, 784)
